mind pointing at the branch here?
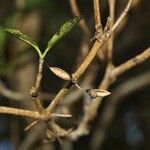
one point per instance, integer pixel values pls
(39, 75)
(32, 124)
(62, 115)
(96, 47)
(131, 63)
(18, 96)
(97, 17)
(58, 98)
(34, 90)
(76, 12)
(123, 14)
(11, 94)
(29, 113)
(110, 43)
(21, 112)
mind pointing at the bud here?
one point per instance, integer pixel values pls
(60, 73)
(97, 93)
(33, 92)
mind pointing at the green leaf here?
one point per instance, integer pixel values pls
(19, 35)
(65, 28)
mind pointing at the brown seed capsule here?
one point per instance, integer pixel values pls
(97, 93)
(60, 73)
(102, 93)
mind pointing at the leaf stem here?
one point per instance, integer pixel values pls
(35, 90)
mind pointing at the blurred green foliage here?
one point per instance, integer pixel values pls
(2, 56)
(43, 4)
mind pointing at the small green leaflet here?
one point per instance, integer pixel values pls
(65, 28)
(19, 35)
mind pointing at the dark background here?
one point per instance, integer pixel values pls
(130, 127)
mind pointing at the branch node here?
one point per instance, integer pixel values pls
(74, 79)
(33, 92)
(108, 25)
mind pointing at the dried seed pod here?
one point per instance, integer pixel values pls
(97, 93)
(60, 73)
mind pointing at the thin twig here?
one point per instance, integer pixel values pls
(18, 96)
(38, 104)
(57, 130)
(39, 75)
(58, 98)
(123, 14)
(110, 43)
(29, 113)
(97, 17)
(61, 115)
(31, 125)
(21, 112)
(76, 12)
(11, 94)
(34, 90)
(132, 62)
